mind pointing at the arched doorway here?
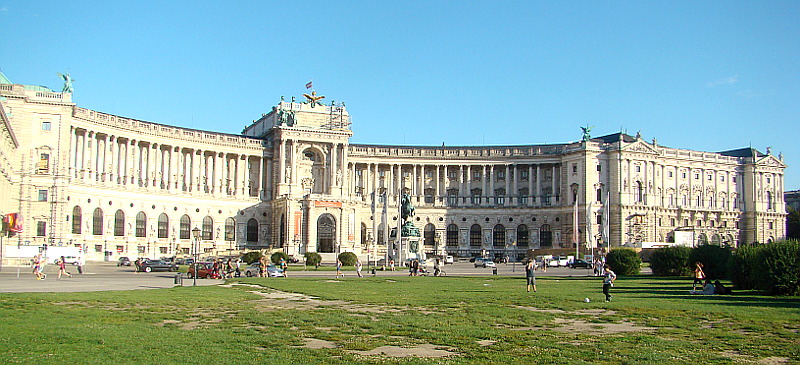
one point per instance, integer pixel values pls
(326, 233)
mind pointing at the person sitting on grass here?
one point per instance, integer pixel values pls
(708, 289)
(721, 289)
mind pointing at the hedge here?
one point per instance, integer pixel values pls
(671, 261)
(624, 261)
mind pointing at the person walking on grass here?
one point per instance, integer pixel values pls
(530, 275)
(339, 269)
(608, 281)
(358, 268)
(699, 275)
(62, 267)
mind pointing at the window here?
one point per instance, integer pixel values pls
(476, 175)
(599, 195)
(499, 236)
(638, 168)
(672, 222)
(523, 175)
(452, 174)
(429, 195)
(475, 235)
(683, 175)
(141, 224)
(769, 180)
(41, 228)
(97, 222)
(252, 230)
(42, 195)
(686, 222)
(669, 174)
(696, 176)
(429, 174)
(230, 229)
(208, 228)
(574, 168)
(769, 224)
(77, 219)
(163, 226)
(722, 178)
(475, 196)
(185, 228)
(699, 223)
(500, 196)
(599, 168)
(522, 236)
(452, 197)
(501, 175)
(44, 163)
(46, 126)
(638, 194)
(429, 235)
(119, 223)
(523, 196)
(769, 200)
(733, 179)
(452, 235)
(710, 177)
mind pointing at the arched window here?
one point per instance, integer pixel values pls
(452, 235)
(769, 200)
(475, 235)
(381, 235)
(185, 227)
(208, 228)
(252, 230)
(77, 219)
(163, 225)
(97, 222)
(702, 239)
(364, 242)
(326, 233)
(282, 235)
(522, 236)
(545, 236)
(637, 192)
(716, 240)
(230, 229)
(141, 224)
(499, 236)
(429, 235)
(119, 223)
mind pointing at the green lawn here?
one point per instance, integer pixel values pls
(477, 319)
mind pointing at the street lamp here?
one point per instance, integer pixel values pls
(196, 235)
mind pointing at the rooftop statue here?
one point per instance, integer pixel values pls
(68, 80)
(586, 130)
(314, 99)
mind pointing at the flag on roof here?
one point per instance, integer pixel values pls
(310, 84)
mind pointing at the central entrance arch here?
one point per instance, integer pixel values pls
(326, 233)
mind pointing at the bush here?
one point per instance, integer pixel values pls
(252, 256)
(671, 261)
(277, 256)
(313, 258)
(714, 258)
(624, 261)
(348, 258)
(781, 268)
(743, 267)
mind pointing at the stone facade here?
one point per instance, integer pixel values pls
(292, 181)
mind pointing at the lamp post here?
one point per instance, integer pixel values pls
(196, 245)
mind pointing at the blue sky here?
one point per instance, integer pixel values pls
(709, 76)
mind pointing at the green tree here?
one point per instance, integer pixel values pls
(624, 261)
(277, 256)
(792, 223)
(671, 261)
(251, 257)
(348, 258)
(313, 258)
(715, 260)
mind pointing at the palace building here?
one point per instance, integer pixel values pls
(292, 181)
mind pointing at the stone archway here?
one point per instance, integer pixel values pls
(326, 233)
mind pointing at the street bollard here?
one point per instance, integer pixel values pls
(178, 279)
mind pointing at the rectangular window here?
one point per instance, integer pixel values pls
(670, 174)
(523, 175)
(98, 248)
(574, 168)
(42, 195)
(45, 126)
(599, 168)
(501, 175)
(722, 178)
(672, 222)
(429, 174)
(683, 175)
(452, 174)
(768, 180)
(710, 177)
(599, 196)
(697, 176)
(770, 225)
(599, 219)
(638, 168)
(41, 228)
(476, 175)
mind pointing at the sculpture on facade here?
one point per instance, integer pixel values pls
(68, 80)
(313, 99)
(586, 130)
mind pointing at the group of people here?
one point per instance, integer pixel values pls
(608, 278)
(707, 287)
(38, 262)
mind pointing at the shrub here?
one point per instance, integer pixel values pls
(313, 258)
(348, 258)
(252, 256)
(671, 261)
(743, 267)
(714, 258)
(781, 268)
(277, 256)
(624, 261)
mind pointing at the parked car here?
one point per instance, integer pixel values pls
(580, 263)
(253, 270)
(124, 261)
(204, 270)
(449, 260)
(157, 265)
(489, 263)
(558, 261)
(68, 260)
(188, 261)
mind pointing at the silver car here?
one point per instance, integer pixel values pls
(253, 270)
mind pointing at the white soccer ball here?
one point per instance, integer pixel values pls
(586, 300)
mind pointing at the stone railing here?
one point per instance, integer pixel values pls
(455, 152)
(160, 130)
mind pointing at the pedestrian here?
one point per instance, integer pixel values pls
(436, 268)
(262, 266)
(62, 267)
(238, 267)
(358, 268)
(699, 275)
(339, 268)
(391, 264)
(229, 269)
(81, 263)
(530, 275)
(284, 266)
(608, 281)
(38, 264)
(136, 264)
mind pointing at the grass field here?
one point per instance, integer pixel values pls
(402, 320)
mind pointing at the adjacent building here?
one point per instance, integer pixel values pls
(292, 181)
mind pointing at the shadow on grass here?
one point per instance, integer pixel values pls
(679, 288)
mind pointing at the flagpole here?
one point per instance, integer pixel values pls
(575, 237)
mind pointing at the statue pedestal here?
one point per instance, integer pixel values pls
(408, 248)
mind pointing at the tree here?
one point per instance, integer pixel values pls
(792, 223)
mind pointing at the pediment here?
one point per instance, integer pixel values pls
(770, 160)
(641, 147)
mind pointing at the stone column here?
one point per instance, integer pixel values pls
(539, 185)
(531, 193)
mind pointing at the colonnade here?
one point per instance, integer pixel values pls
(100, 158)
(464, 184)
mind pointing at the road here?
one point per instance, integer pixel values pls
(100, 276)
